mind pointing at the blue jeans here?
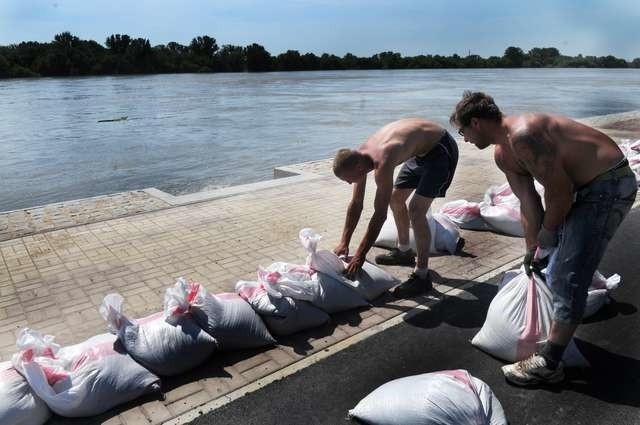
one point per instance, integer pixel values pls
(597, 211)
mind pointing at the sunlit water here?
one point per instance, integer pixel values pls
(191, 132)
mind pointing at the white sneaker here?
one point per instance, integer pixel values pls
(533, 371)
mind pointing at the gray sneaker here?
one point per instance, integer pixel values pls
(395, 257)
(533, 371)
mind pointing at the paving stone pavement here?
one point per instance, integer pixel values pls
(54, 280)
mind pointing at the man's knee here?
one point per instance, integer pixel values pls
(397, 200)
(418, 215)
(418, 208)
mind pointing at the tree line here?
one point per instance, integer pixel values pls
(68, 55)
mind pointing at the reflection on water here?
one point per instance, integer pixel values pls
(185, 133)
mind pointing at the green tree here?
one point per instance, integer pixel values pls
(513, 57)
(390, 60)
(258, 59)
(232, 58)
(635, 63)
(543, 56)
(202, 50)
(4, 67)
(118, 43)
(290, 61)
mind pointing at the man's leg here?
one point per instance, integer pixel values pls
(400, 212)
(403, 255)
(590, 225)
(419, 281)
(418, 208)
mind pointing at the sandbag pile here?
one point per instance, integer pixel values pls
(19, 405)
(499, 211)
(444, 234)
(80, 380)
(282, 315)
(449, 397)
(226, 317)
(321, 281)
(519, 316)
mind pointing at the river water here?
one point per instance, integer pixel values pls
(193, 132)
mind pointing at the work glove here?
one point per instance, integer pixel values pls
(533, 264)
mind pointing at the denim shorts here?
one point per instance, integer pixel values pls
(595, 215)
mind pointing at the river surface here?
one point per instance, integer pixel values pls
(191, 132)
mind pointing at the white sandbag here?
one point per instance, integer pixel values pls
(167, 347)
(335, 296)
(226, 317)
(372, 281)
(501, 210)
(465, 214)
(444, 234)
(84, 379)
(518, 322)
(451, 397)
(19, 405)
(289, 280)
(282, 315)
(598, 294)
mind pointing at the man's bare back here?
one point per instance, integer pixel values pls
(400, 140)
(538, 142)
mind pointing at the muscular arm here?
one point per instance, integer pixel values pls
(542, 160)
(384, 183)
(531, 211)
(354, 211)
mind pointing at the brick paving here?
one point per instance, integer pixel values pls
(54, 280)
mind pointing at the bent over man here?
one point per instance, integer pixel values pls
(429, 156)
(588, 190)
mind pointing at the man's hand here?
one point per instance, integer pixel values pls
(341, 249)
(534, 265)
(354, 267)
(547, 239)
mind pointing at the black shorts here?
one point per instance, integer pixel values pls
(431, 174)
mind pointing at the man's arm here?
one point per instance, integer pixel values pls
(531, 212)
(384, 183)
(542, 160)
(354, 210)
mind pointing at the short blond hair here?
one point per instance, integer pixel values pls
(345, 159)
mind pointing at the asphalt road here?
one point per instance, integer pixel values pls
(608, 393)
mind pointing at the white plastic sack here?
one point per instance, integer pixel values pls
(518, 322)
(84, 379)
(631, 150)
(598, 294)
(451, 397)
(19, 405)
(226, 317)
(370, 282)
(444, 234)
(501, 210)
(167, 347)
(465, 214)
(335, 296)
(290, 280)
(282, 315)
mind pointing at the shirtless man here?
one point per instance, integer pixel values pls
(430, 156)
(589, 188)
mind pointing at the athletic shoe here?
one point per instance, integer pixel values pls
(413, 286)
(395, 257)
(533, 371)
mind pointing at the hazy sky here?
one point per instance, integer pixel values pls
(362, 27)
